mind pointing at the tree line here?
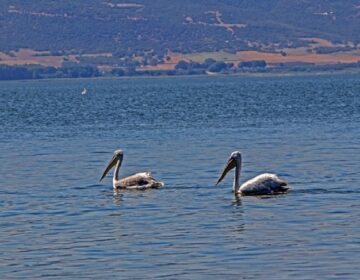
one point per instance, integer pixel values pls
(208, 66)
(8, 72)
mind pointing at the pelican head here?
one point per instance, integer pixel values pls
(233, 161)
(117, 158)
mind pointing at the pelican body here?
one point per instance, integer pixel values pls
(142, 180)
(263, 184)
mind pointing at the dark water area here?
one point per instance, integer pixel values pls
(58, 221)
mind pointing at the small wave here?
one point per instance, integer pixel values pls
(84, 187)
(325, 191)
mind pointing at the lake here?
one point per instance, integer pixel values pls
(58, 221)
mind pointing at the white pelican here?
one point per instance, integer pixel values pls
(141, 181)
(260, 185)
(84, 91)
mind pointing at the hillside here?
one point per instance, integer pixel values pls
(148, 33)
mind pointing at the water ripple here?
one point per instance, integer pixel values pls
(57, 221)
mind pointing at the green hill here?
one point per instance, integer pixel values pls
(187, 26)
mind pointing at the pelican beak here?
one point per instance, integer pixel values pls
(230, 165)
(109, 166)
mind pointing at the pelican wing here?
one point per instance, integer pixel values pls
(139, 180)
(136, 179)
(264, 184)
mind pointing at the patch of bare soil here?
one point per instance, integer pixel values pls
(27, 56)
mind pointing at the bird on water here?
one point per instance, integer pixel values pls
(141, 181)
(263, 184)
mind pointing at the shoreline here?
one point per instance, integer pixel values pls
(213, 75)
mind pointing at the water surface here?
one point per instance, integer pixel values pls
(58, 221)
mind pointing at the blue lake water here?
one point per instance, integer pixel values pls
(58, 221)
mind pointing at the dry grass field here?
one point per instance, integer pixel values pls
(288, 55)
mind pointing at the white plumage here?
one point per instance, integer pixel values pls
(139, 181)
(260, 185)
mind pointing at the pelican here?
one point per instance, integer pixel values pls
(260, 185)
(141, 181)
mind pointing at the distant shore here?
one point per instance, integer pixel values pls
(244, 74)
(27, 64)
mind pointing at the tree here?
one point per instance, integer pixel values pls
(252, 64)
(182, 65)
(118, 72)
(218, 66)
(208, 62)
